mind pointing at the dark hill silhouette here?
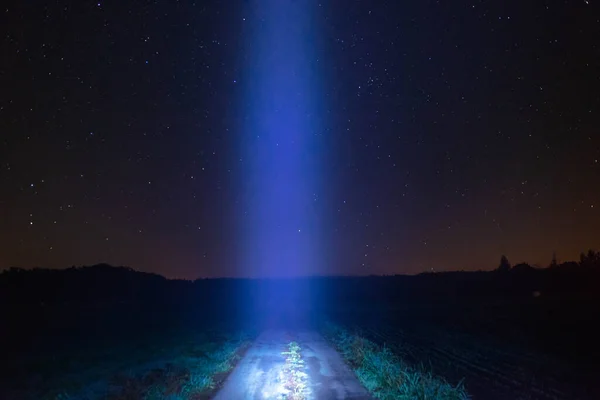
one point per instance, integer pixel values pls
(60, 299)
(105, 284)
(95, 284)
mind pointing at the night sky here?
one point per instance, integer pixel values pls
(447, 133)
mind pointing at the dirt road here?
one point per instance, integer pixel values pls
(261, 375)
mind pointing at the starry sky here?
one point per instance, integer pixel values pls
(449, 133)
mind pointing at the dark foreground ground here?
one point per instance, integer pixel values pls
(529, 335)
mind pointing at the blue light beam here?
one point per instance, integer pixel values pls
(281, 141)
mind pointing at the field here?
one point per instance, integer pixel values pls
(519, 348)
(496, 337)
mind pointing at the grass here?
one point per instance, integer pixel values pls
(190, 375)
(294, 375)
(385, 374)
(184, 367)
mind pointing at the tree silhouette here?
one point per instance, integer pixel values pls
(504, 264)
(591, 259)
(554, 262)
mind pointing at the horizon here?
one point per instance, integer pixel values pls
(283, 277)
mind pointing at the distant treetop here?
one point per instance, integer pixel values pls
(504, 264)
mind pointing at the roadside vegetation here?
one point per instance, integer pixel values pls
(184, 368)
(384, 374)
(191, 375)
